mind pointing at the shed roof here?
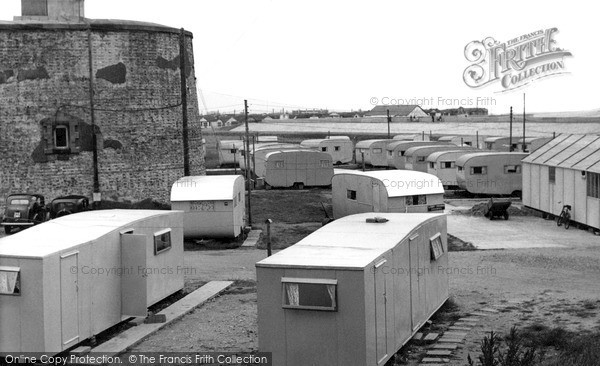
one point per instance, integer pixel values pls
(579, 152)
(401, 183)
(464, 158)
(204, 188)
(349, 242)
(68, 231)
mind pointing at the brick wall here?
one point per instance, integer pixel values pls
(44, 72)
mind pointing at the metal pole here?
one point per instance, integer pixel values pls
(269, 251)
(248, 188)
(184, 115)
(477, 138)
(523, 144)
(96, 183)
(363, 160)
(389, 119)
(510, 136)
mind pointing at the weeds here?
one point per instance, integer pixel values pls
(529, 346)
(513, 353)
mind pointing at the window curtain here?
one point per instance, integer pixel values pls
(8, 281)
(293, 294)
(331, 291)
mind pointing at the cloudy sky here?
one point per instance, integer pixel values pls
(345, 55)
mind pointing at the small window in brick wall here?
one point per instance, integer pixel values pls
(60, 135)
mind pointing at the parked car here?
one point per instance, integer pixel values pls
(67, 205)
(23, 210)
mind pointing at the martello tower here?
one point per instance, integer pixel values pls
(95, 106)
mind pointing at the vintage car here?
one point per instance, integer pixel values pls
(67, 205)
(23, 210)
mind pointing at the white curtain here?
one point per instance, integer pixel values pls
(331, 290)
(8, 280)
(293, 294)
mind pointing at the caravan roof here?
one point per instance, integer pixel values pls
(204, 188)
(65, 232)
(349, 242)
(401, 183)
(438, 154)
(580, 152)
(365, 144)
(462, 160)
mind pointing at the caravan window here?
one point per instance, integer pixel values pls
(401, 153)
(436, 246)
(324, 149)
(325, 163)
(279, 164)
(447, 164)
(509, 169)
(420, 199)
(479, 170)
(377, 151)
(593, 185)
(460, 168)
(350, 194)
(233, 151)
(309, 294)
(336, 148)
(432, 165)
(10, 281)
(421, 159)
(552, 174)
(162, 241)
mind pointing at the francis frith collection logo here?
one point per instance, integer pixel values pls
(516, 62)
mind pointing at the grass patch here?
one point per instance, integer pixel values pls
(458, 245)
(289, 206)
(240, 287)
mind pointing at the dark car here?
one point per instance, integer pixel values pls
(67, 205)
(23, 210)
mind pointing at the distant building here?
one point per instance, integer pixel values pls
(57, 68)
(408, 111)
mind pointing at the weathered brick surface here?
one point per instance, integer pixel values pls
(135, 112)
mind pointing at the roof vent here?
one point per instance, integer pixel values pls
(377, 220)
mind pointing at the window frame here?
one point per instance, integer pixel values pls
(18, 285)
(55, 138)
(159, 234)
(517, 169)
(351, 194)
(483, 170)
(444, 163)
(436, 247)
(377, 150)
(552, 174)
(592, 185)
(310, 281)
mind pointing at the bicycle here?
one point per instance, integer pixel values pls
(565, 217)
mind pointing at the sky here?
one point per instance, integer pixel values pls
(351, 55)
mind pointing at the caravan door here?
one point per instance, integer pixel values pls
(69, 299)
(134, 289)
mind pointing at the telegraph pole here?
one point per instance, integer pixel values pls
(247, 161)
(523, 144)
(389, 119)
(510, 135)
